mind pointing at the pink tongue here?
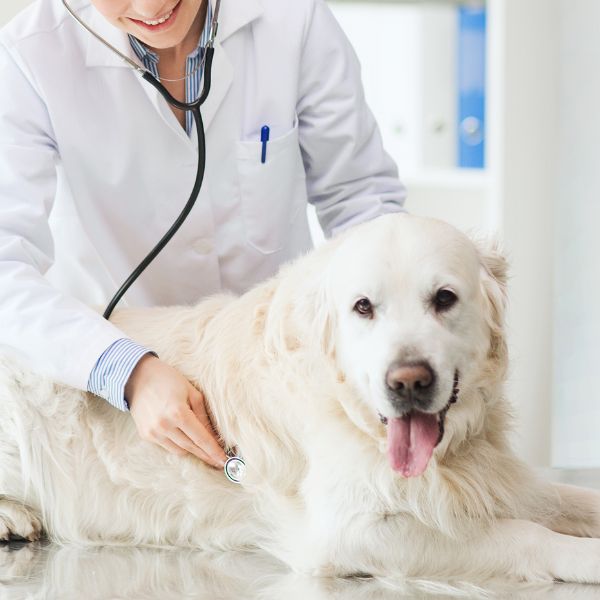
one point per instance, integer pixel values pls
(411, 440)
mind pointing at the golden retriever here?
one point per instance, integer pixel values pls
(363, 387)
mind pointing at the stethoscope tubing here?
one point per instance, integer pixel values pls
(235, 466)
(194, 107)
(147, 76)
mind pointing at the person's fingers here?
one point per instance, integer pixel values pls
(198, 406)
(202, 437)
(179, 438)
(171, 447)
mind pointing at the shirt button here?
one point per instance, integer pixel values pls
(203, 246)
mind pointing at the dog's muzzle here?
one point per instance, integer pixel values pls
(413, 436)
(442, 413)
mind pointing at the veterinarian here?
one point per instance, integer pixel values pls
(95, 166)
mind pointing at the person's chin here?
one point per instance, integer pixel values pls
(159, 42)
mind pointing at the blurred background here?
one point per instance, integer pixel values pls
(490, 111)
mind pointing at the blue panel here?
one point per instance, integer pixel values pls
(471, 87)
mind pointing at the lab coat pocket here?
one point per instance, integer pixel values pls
(273, 192)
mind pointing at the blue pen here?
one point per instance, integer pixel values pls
(264, 138)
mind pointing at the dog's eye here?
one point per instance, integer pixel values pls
(364, 307)
(444, 299)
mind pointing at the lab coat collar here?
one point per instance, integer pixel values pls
(97, 54)
(234, 14)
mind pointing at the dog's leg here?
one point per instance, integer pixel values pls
(511, 549)
(18, 521)
(533, 551)
(524, 550)
(579, 511)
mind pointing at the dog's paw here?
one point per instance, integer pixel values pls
(18, 521)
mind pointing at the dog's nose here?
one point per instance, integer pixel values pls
(412, 376)
(411, 385)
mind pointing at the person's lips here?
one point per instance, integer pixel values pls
(159, 23)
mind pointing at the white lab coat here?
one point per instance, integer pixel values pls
(94, 167)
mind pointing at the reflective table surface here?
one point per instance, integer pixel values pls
(45, 571)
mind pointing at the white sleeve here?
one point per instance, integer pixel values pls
(350, 178)
(53, 334)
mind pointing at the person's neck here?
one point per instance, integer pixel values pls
(172, 60)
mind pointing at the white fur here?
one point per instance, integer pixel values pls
(294, 379)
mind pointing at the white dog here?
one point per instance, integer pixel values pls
(363, 387)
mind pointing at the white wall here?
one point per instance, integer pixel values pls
(576, 423)
(523, 113)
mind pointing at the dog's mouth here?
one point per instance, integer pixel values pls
(413, 436)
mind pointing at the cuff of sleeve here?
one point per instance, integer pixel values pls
(112, 370)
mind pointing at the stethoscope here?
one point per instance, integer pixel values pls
(234, 467)
(194, 107)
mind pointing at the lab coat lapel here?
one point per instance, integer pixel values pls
(234, 14)
(222, 76)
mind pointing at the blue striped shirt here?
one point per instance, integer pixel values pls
(111, 373)
(113, 369)
(193, 71)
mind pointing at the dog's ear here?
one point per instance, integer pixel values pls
(299, 314)
(493, 261)
(493, 284)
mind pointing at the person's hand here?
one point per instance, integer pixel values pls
(169, 411)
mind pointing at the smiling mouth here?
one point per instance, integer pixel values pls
(413, 436)
(155, 23)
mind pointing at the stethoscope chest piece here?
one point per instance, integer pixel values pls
(235, 469)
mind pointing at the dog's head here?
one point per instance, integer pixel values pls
(414, 313)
